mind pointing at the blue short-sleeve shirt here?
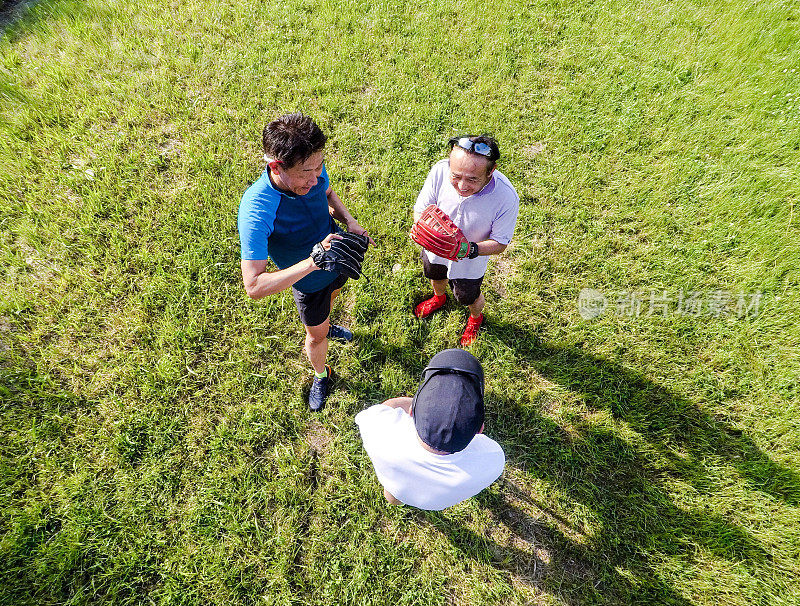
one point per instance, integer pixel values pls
(285, 227)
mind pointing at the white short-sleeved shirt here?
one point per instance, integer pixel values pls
(491, 214)
(418, 477)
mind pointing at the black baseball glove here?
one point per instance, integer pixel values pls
(345, 255)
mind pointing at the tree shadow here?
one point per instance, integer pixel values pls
(676, 428)
(634, 522)
(531, 551)
(11, 10)
(14, 13)
(36, 418)
(637, 520)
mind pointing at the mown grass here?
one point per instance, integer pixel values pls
(155, 443)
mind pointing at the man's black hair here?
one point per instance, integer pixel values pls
(494, 150)
(492, 143)
(293, 139)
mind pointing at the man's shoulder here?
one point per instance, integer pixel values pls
(261, 194)
(382, 429)
(439, 170)
(490, 454)
(484, 444)
(504, 188)
(379, 414)
(441, 167)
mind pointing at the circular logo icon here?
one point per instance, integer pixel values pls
(591, 303)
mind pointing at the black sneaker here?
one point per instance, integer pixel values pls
(319, 391)
(339, 333)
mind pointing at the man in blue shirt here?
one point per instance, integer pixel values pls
(282, 216)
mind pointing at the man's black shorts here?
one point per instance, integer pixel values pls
(315, 307)
(465, 290)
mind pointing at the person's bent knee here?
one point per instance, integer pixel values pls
(316, 340)
(391, 498)
(466, 293)
(433, 271)
(317, 334)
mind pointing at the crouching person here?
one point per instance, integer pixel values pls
(430, 451)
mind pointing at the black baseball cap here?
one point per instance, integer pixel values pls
(448, 407)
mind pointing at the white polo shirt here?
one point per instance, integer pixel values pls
(491, 214)
(418, 477)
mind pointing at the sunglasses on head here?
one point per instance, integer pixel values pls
(480, 148)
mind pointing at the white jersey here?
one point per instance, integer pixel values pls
(490, 214)
(417, 476)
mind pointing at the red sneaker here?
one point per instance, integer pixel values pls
(428, 306)
(471, 331)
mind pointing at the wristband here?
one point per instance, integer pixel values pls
(473, 250)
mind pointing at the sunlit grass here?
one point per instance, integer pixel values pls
(155, 443)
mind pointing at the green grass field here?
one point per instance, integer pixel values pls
(155, 446)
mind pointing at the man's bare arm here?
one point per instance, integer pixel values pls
(259, 283)
(490, 247)
(339, 212)
(403, 402)
(337, 208)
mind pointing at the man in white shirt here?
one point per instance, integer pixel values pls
(429, 451)
(484, 204)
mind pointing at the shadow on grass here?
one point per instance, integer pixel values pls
(14, 13)
(635, 521)
(678, 429)
(63, 533)
(543, 558)
(11, 10)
